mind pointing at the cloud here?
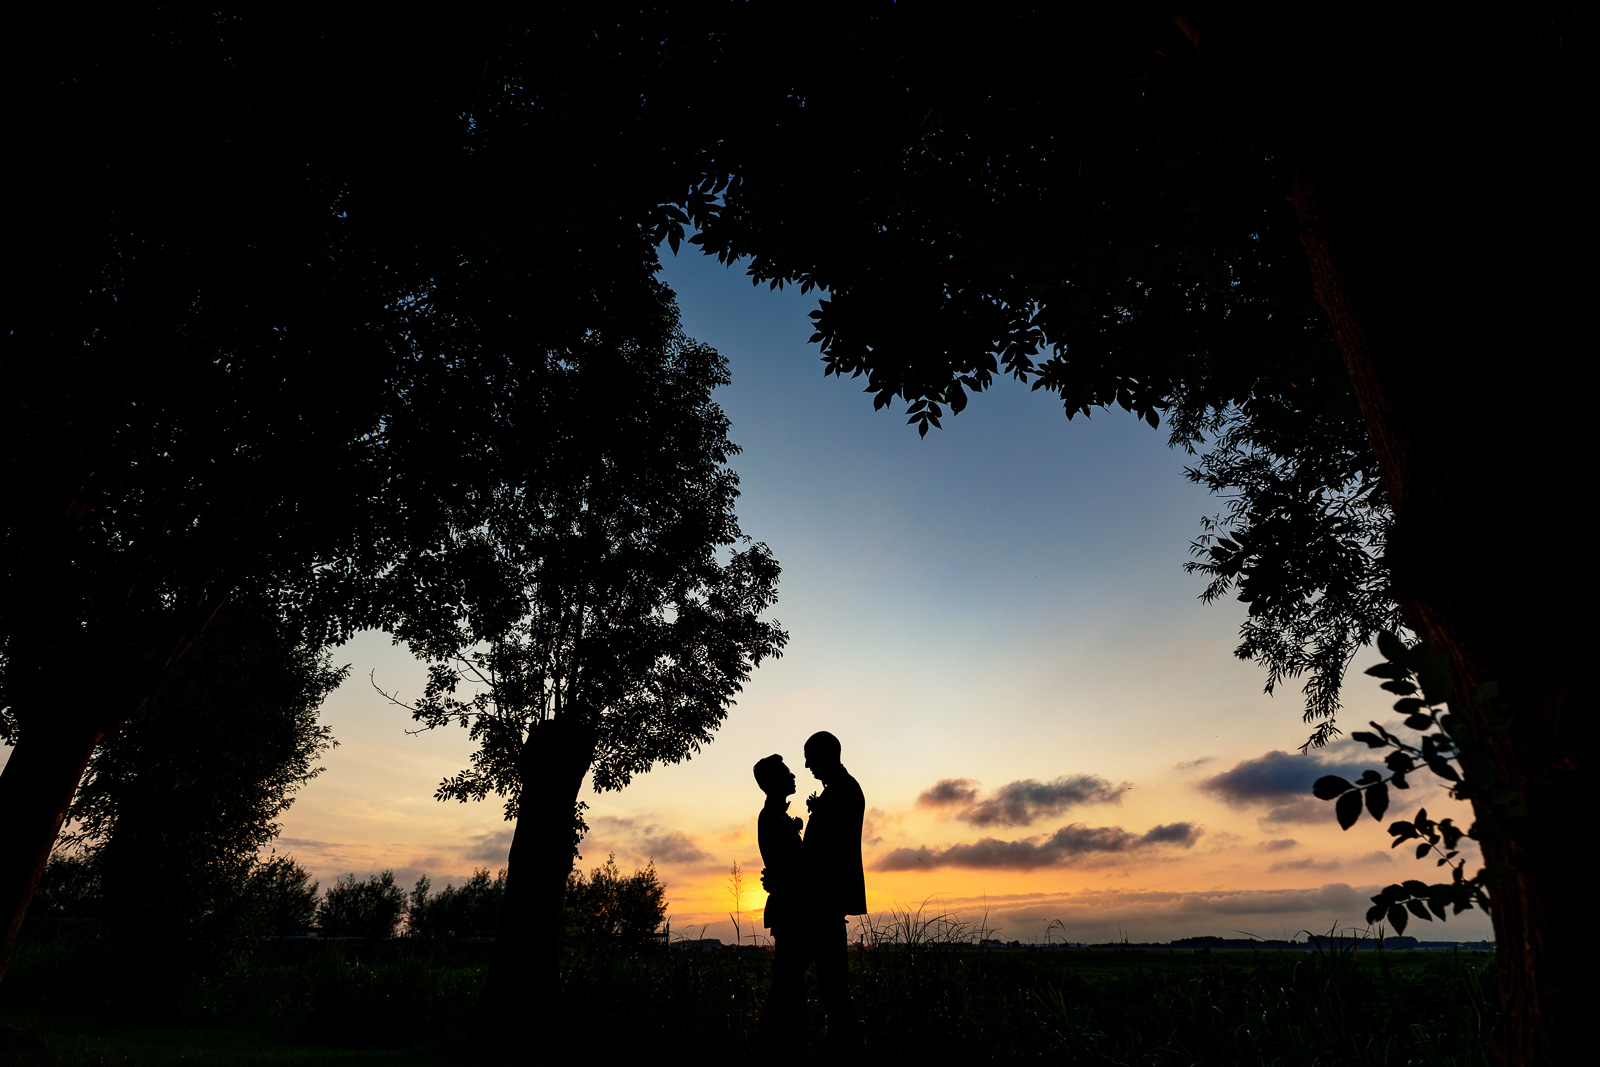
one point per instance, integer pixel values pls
(1020, 803)
(1172, 833)
(1068, 845)
(948, 791)
(673, 847)
(1336, 896)
(1308, 864)
(492, 846)
(872, 826)
(614, 825)
(1191, 764)
(1309, 810)
(1277, 780)
(1093, 914)
(638, 839)
(1281, 844)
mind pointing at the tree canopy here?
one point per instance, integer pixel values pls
(244, 231)
(601, 576)
(595, 608)
(254, 228)
(1191, 208)
(178, 804)
(229, 735)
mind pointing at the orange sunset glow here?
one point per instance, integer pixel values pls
(1048, 725)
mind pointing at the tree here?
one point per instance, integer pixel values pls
(204, 300)
(942, 206)
(176, 806)
(244, 234)
(471, 910)
(608, 908)
(369, 908)
(283, 897)
(1187, 205)
(596, 603)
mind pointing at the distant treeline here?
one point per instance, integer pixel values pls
(1323, 942)
(278, 897)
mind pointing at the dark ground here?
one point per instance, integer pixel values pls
(68, 1000)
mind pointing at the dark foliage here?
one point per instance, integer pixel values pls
(595, 607)
(469, 910)
(176, 807)
(1303, 537)
(1337, 1006)
(183, 798)
(253, 247)
(369, 908)
(607, 908)
(1420, 676)
(283, 897)
(601, 576)
(69, 888)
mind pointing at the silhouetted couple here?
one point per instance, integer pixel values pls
(812, 884)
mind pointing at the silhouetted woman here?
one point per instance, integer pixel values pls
(783, 1022)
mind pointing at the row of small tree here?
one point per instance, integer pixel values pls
(278, 897)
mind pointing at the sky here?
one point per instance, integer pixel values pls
(1051, 731)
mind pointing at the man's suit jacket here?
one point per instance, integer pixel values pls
(833, 848)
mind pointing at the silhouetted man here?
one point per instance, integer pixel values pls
(837, 886)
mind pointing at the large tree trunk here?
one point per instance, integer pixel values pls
(36, 787)
(1483, 562)
(1444, 191)
(1442, 217)
(525, 971)
(65, 696)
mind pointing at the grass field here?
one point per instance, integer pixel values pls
(401, 1003)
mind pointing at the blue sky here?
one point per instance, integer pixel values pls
(996, 612)
(1000, 604)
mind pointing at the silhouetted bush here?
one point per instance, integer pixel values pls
(608, 908)
(283, 897)
(470, 910)
(370, 909)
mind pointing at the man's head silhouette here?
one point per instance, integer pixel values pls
(774, 777)
(822, 755)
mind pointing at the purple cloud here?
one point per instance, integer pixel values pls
(1066, 846)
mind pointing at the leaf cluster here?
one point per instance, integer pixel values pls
(1068, 203)
(1303, 538)
(1420, 676)
(69, 888)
